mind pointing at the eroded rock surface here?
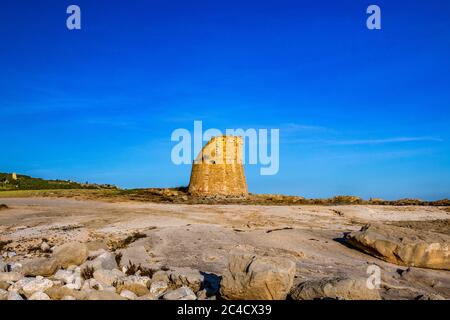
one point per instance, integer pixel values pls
(339, 288)
(250, 277)
(403, 246)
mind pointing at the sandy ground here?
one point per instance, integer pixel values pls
(202, 236)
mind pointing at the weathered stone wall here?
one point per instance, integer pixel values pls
(218, 169)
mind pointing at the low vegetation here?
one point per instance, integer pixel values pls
(133, 269)
(123, 243)
(26, 186)
(87, 272)
(10, 181)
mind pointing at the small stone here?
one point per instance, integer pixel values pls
(45, 247)
(92, 284)
(183, 293)
(10, 276)
(68, 298)
(158, 287)
(65, 276)
(12, 295)
(4, 285)
(128, 294)
(3, 294)
(149, 296)
(103, 295)
(76, 282)
(39, 296)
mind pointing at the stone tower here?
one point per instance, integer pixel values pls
(218, 169)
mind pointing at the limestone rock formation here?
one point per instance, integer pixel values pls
(403, 246)
(251, 277)
(218, 169)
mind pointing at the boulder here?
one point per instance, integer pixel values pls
(136, 255)
(12, 295)
(128, 295)
(149, 296)
(183, 293)
(39, 296)
(64, 276)
(250, 277)
(36, 285)
(158, 287)
(17, 286)
(109, 277)
(57, 293)
(71, 253)
(106, 261)
(40, 267)
(103, 295)
(340, 288)
(10, 276)
(137, 284)
(186, 277)
(403, 246)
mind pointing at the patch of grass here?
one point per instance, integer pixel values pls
(67, 228)
(132, 269)
(118, 257)
(87, 273)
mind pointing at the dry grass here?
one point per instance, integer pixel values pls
(133, 269)
(180, 195)
(120, 244)
(87, 273)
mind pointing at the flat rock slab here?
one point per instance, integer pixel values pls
(339, 288)
(403, 246)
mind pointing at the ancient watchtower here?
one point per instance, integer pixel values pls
(218, 169)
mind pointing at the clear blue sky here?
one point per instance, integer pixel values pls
(360, 112)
